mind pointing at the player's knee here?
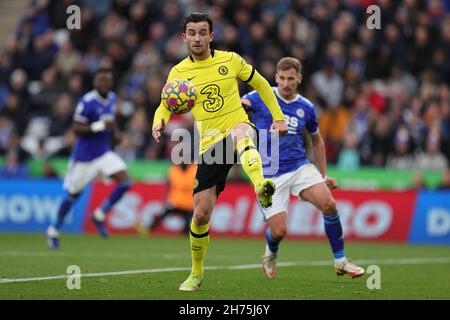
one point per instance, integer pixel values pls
(201, 214)
(278, 226)
(329, 206)
(241, 131)
(279, 231)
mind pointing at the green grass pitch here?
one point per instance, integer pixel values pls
(233, 269)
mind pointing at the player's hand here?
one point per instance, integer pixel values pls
(158, 129)
(279, 127)
(331, 183)
(246, 103)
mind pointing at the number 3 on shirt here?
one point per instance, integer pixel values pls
(214, 101)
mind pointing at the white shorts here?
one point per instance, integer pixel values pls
(80, 174)
(291, 183)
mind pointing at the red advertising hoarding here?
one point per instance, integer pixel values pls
(367, 215)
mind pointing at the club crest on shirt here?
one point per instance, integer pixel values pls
(300, 113)
(223, 70)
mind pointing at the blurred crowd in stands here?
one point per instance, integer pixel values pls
(382, 96)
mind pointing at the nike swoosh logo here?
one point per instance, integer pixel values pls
(189, 79)
(252, 162)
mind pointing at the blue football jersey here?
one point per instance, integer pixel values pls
(289, 153)
(92, 107)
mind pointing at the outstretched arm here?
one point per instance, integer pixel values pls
(260, 84)
(162, 116)
(321, 159)
(81, 128)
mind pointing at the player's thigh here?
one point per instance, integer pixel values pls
(311, 186)
(320, 196)
(111, 164)
(210, 175)
(241, 131)
(79, 174)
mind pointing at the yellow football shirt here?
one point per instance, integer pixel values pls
(218, 107)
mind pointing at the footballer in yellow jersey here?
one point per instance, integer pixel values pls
(220, 119)
(218, 107)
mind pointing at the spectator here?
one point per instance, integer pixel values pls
(75, 87)
(18, 87)
(401, 158)
(16, 113)
(377, 143)
(61, 117)
(329, 84)
(349, 155)
(41, 55)
(67, 58)
(42, 101)
(364, 80)
(432, 158)
(99, 8)
(14, 147)
(126, 148)
(12, 168)
(15, 165)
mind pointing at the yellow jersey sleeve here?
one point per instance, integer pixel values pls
(246, 71)
(250, 75)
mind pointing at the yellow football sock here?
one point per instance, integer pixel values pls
(250, 160)
(199, 238)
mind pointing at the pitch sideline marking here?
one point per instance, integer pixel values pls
(405, 261)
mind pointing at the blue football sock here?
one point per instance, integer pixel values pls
(115, 196)
(272, 243)
(333, 229)
(64, 209)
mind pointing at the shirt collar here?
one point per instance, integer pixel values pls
(100, 99)
(192, 59)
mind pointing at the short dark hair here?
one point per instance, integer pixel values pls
(287, 63)
(196, 17)
(103, 70)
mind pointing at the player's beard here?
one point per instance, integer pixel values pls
(198, 51)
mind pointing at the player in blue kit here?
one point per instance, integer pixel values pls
(294, 173)
(94, 124)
